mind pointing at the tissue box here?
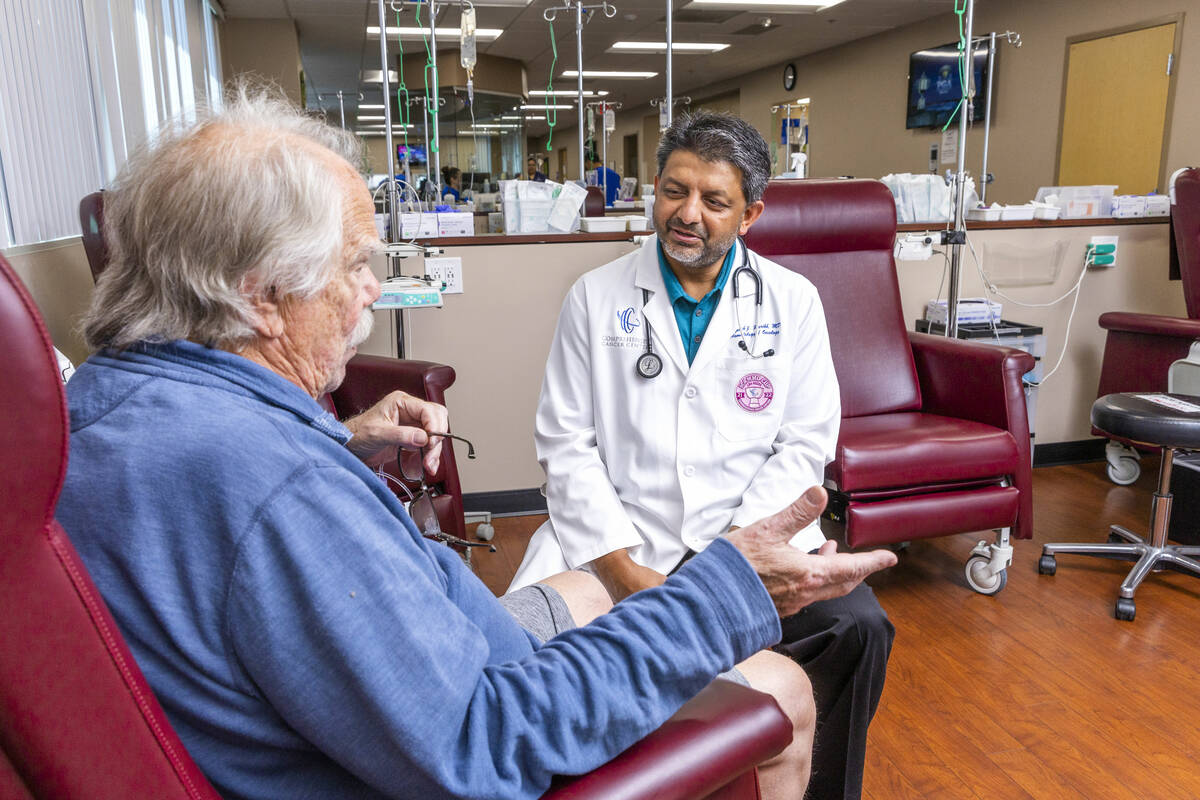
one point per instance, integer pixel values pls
(970, 309)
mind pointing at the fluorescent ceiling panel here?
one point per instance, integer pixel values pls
(567, 93)
(782, 6)
(661, 47)
(608, 73)
(482, 34)
(532, 107)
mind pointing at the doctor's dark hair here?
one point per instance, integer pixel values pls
(239, 197)
(721, 137)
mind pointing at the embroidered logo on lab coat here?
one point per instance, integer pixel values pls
(754, 392)
(628, 319)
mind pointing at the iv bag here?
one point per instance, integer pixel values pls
(591, 120)
(610, 120)
(467, 50)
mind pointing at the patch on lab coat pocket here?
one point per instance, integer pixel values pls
(751, 399)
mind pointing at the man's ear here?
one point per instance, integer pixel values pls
(264, 301)
(752, 213)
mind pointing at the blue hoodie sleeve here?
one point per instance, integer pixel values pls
(392, 660)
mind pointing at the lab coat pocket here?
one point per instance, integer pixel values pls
(750, 399)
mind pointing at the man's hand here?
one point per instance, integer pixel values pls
(622, 576)
(398, 420)
(794, 579)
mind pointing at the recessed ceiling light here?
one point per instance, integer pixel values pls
(484, 34)
(368, 107)
(661, 47)
(510, 116)
(495, 125)
(567, 93)
(531, 107)
(371, 118)
(608, 73)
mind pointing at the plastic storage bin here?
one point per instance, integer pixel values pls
(1079, 202)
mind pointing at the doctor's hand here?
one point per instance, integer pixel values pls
(795, 579)
(622, 576)
(398, 420)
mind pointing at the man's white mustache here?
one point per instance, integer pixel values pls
(366, 321)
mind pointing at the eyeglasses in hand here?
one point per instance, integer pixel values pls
(420, 507)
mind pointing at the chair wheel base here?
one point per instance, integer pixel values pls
(1126, 609)
(1047, 565)
(981, 579)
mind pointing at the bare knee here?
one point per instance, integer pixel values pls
(585, 596)
(787, 682)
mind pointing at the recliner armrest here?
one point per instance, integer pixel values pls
(369, 378)
(1153, 324)
(972, 380)
(719, 734)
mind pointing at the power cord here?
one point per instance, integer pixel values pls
(990, 288)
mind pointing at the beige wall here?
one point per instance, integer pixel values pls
(57, 276)
(858, 91)
(265, 47)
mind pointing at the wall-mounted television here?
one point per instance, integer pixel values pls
(935, 85)
(416, 154)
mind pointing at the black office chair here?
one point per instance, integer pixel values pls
(1169, 421)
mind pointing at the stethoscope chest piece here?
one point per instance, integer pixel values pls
(649, 365)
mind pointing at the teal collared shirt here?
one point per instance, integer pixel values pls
(693, 316)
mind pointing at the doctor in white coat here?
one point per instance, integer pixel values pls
(689, 391)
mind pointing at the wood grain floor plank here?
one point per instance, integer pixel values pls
(1037, 692)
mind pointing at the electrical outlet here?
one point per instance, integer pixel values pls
(1101, 251)
(448, 271)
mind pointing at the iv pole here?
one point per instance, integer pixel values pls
(670, 52)
(549, 14)
(958, 237)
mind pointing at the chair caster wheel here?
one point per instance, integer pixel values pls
(979, 579)
(1125, 471)
(1126, 610)
(485, 532)
(1047, 565)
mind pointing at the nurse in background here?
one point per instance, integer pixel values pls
(689, 391)
(532, 172)
(451, 184)
(604, 174)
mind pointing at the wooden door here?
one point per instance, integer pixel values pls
(631, 158)
(1115, 110)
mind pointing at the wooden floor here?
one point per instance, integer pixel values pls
(1037, 692)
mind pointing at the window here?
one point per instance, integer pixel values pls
(82, 84)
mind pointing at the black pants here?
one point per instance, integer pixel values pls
(843, 645)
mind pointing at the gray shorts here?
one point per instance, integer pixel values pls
(541, 610)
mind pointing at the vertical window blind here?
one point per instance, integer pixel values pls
(83, 83)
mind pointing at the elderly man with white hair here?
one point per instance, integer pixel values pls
(302, 636)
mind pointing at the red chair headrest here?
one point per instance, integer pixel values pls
(822, 216)
(33, 412)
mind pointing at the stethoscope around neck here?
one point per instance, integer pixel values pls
(649, 363)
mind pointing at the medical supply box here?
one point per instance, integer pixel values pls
(970, 309)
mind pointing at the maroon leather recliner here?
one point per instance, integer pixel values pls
(934, 437)
(1140, 348)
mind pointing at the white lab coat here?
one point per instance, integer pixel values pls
(667, 464)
